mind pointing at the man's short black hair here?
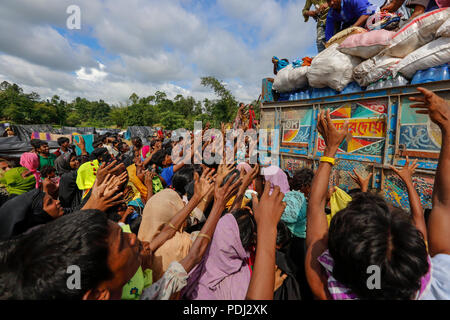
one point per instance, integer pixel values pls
(369, 233)
(35, 143)
(35, 265)
(62, 140)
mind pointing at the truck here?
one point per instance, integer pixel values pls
(384, 131)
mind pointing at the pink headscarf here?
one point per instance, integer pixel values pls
(247, 168)
(276, 177)
(31, 162)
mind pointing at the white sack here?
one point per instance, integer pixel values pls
(417, 33)
(331, 68)
(374, 69)
(444, 30)
(430, 55)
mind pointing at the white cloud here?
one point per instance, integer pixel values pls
(149, 45)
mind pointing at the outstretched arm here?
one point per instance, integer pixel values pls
(221, 196)
(414, 200)
(316, 224)
(439, 222)
(267, 215)
(201, 187)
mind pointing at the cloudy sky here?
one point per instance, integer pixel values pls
(141, 46)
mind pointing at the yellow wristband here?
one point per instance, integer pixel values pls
(327, 159)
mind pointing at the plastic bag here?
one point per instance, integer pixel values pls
(374, 69)
(430, 55)
(341, 36)
(444, 30)
(417, 33)
(332, 68)
(366, 45)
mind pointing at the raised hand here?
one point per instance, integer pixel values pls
(204, 183)
(223, 171)
(362, 182)
(270, 207)
(407, 171)
(332, 136)
(223, 194)
(436, 107)
(104, 195)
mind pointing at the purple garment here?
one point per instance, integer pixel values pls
(223, 273)
(339, 291)
(277, 177)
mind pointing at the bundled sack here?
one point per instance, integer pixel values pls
(297, 77)
(366, 45)
(290, 78)
(341, 36)
(430, 55)
(444, 30)
(417, 33)
(281, 81)
(332, 68)
(374, 69)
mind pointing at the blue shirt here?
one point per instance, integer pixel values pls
(167, 175)
(350, 12)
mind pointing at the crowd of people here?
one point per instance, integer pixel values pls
(140, 225)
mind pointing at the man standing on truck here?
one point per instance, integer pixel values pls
(347, 13)
(320, 15)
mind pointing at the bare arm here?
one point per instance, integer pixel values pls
(317, 225)
(221, 197)
(439, 222)
(414, 200)
(202, 186)
(361, 21)
(267, 215)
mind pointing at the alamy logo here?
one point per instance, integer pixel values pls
(374, 281)
(74, 280)
(74, 20)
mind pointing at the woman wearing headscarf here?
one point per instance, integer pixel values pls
(225, 270)
(87, 172)
(30, 161)
(69, 194)
(22, 179)
(159, 210)
(276, 177)
(27, 211)
(66, 163)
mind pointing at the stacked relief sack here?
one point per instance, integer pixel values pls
(374, 69)
(366, 45)
(444, 30)
(290, 78)
(341, 36)
(417, 33)
(332, 68)
(432, 54)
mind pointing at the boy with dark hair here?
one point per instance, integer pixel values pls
(45, 157)
(63, 143)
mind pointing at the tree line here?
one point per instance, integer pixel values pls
(19, 107)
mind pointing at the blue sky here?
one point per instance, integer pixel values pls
(142, 46)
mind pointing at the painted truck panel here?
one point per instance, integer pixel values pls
(384, 131)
